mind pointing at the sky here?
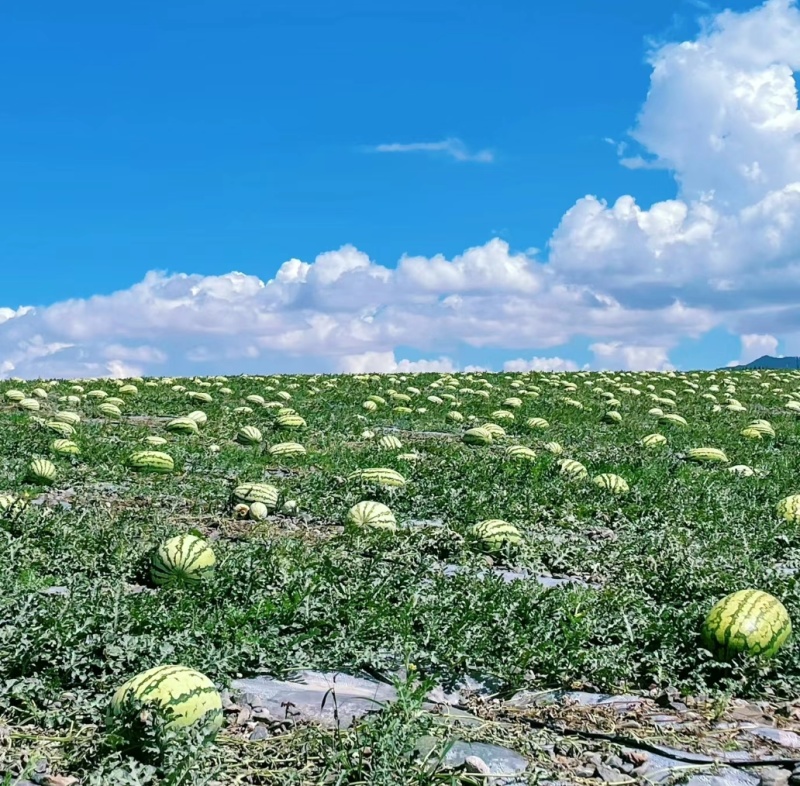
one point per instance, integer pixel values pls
(231, 186)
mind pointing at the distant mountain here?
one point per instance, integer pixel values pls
(767, 361)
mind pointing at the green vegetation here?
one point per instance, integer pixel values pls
(293, 588)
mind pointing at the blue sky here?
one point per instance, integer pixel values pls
(207, 136)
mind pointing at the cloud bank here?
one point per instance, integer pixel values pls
(721, 114)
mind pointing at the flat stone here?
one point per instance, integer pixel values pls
(725, 776)
(787, 739)
(774, 776)
(610, 775)
(259, 733)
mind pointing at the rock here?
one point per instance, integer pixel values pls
(787, 739)
(475, 764)
(774, 776)
(585, 771)
(726, 776)
(260, 732)
(610, 775)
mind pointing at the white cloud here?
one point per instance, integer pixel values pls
(755, 345)
(721, 114)
(385, 363)
(452, 147)
(540, 364)
(616, 355)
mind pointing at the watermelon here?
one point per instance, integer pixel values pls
(256, 492)
(380, 475)
(182, 426)
(184, 559)
(572, 468)
(520, 452)
(42, 471)
(477, 436)
(151, 461)
(287, 449)
(748, 621)
(611, 482)
(789, 508)
(707, 455)
(371, 514)
(190, 695)
(249, 435)
(493, 534)
(64, 447)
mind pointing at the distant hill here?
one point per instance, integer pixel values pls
(767, 361)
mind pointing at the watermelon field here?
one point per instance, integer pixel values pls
(520, 566)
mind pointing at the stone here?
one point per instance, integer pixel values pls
(260, 732)
(787, 739)
(610, 775)
(774, 776)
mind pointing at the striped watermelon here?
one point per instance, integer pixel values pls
(151, 461)
(572, 468)
(707, 455)
(520, 452)
(380, 475)
(554, 448)
(371, 514)
(654, 440)
(154, 440)
(612, 416)
(390, 442)
(64, 447)
(748, 621)
(287, 449)
(256, 492)
(199, 417)
(200, 395)
(109, 409)
(674, 419)
(493, 534)
(42, 471)
(182, 426)
(190, 695)
(611, 482)
(477, 436)
(537, 423)
(59, 427)
(789, 508)
(290, 421)
(249, 435)
(67, 416)
(182, 560)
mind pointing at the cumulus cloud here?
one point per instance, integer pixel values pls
(451, 147)
(540, 364)
(721, 114)
(755, 345)
(615, 354)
